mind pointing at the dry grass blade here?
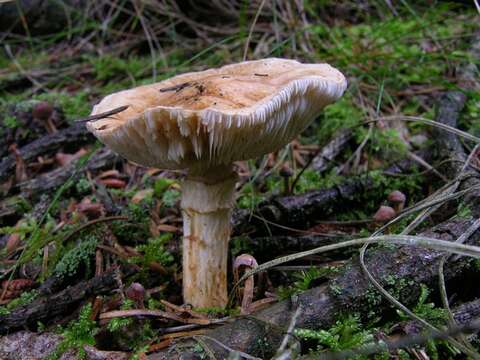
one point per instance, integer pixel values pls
(449, 190)
(423, 241)
(450, 129)
(441, 279)
(477, 5)
(252, 27)
(289, 334)
(229, 349)
(152, 313)
(426, 205)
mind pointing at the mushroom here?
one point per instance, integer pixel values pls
(136, 293)
(204, 121)
(384, 214)
(397, 198)
(286, 173)
(43, 112)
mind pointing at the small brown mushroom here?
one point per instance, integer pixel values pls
(203, 122)
(43, 112)
(397, 199)
(136, 292)
(286, 173)
(384, 214)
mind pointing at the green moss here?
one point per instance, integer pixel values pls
(83, 186)
(386, 144)
(10, 121)
(304, 280)
(170, 198)
(373, 298)
(36, 238)
(427, 310)
(249, 197)
(109, 67)
(342, 114)
(154, 251)
(77, 334)
(119, 323)
(346, 333)
(81, 254)
(471, 114)
(409, 184)
(335, 288)
(217, 312)
(161, 185)
(24, 299)
(137, 225)
(240, 245)
(312, 180)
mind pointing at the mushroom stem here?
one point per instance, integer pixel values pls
(207, 202)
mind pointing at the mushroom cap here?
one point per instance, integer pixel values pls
(217, 116)
(42, 111)
(384, 214)
(396, 197)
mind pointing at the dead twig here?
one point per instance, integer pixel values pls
(153, 313)
(104, 114)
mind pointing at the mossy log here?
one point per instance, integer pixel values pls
(73, 136)
(402, 270)
(46, 308)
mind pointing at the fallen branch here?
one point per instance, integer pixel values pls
(302, 211)
(157, 313)
(449, 147)
(334, 147)
(76, 135)
(46, 308)
(103, 158)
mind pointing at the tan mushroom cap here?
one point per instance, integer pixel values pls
(217, 116)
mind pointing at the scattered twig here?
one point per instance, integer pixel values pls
(229, 349)
(289, 335)
(176, 88)
(154, 313)
(103, 115)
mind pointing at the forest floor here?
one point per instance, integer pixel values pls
(90, 244)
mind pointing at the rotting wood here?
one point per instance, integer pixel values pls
(449, 147)
(103, 158)
(29, 345)
(74, 136)
(28, 128)
(463, 314)
(46, 308)
(334, 147)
